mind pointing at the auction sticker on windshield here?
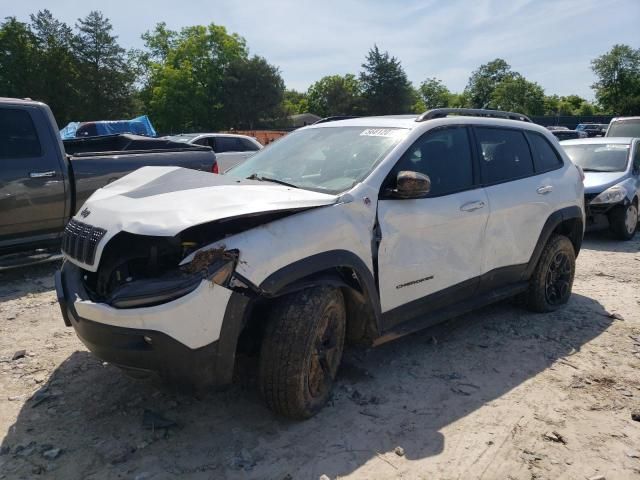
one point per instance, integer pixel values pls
(382, 132)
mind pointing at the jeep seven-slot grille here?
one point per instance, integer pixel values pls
(80, 240)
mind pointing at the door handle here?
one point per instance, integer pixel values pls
(545, 189)
(472, 206)
(51, 173)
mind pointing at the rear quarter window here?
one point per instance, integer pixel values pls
(545, 157)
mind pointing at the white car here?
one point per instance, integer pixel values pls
(357, 230)
(230, 149)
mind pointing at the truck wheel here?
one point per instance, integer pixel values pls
(550, 285)
(301, 351)
(623, 221)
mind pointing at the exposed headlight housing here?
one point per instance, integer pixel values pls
(216, 266)
(613, 194)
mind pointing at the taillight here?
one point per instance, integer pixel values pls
(214, 169)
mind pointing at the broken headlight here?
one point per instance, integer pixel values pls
(613, 194)
(215, 265)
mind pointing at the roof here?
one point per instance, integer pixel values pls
(409, 122)
(599, 141)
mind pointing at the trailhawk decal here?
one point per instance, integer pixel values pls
(414, 282)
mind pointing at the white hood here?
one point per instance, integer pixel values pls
(163, 201)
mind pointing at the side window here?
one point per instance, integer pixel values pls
(18, 137)
(248, 145)
(445, 156)
(636, 158)
(202, 141)
(227, 144)
(545, 157)
(504, 155)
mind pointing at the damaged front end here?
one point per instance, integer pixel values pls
(138, 271)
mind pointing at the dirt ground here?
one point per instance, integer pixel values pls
(497, 394)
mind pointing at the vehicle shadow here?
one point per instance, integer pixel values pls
(21, 281)
(603, 240)
(402, 393)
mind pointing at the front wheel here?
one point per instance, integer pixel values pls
(552, 280)
(624, 221)
(301, 351)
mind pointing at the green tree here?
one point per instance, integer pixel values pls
(434, 93)
(335, 95)
(57, 79)
(18, 67)
(185, 74)
(105, 76)
(517, 94)
(385, 87)
(618, 80)
(295, 102)
(253, 91)
(484, 80)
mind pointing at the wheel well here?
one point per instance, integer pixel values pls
(572, 228)
(362, 324)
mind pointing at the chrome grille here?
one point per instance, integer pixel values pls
(80, 240)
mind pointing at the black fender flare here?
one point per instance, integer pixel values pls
(311, 270)
(556, 218)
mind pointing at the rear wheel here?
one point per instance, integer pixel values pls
(552, 280)
(301, 351)
(623, 221)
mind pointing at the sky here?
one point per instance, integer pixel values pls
(551, 42)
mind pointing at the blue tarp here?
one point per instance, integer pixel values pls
(139, 126)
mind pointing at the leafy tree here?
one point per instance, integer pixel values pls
(295, 102)
(517, 94)
(18, 68)
(618, 86)
(484, 80)
(185, 73)
(57, 79)
(434, 93)
(335, 95)
(105, 76)
(253, 90)
(385, 87)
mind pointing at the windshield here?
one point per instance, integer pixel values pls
(624, 128)
(181, 138)
(599, 157)
(329, 159)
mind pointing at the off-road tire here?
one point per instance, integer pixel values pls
(618, 221)
(290, 362)
(539, 297)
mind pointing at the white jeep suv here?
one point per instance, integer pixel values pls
(357, 230)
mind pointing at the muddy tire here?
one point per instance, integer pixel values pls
(623, 221)
(552, 280)
(301, 351)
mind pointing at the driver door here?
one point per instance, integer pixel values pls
(431, 250)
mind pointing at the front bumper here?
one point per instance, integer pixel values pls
(144, 339)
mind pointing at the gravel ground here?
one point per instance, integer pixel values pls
(497, 394)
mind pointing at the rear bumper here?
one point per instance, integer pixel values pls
(148, 350)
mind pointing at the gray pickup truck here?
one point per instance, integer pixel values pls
(43, 183)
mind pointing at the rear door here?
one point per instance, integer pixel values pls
(522, 194)
(32, 186)
(431, 249)
(230, 151)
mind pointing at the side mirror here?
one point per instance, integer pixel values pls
(411, 185)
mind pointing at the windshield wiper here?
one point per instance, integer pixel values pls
(595, 170)
(262, 178)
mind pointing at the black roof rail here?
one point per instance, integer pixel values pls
(471, 112)
(334, 118)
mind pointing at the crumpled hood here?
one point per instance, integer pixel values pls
(598, 182)
(163, 201)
